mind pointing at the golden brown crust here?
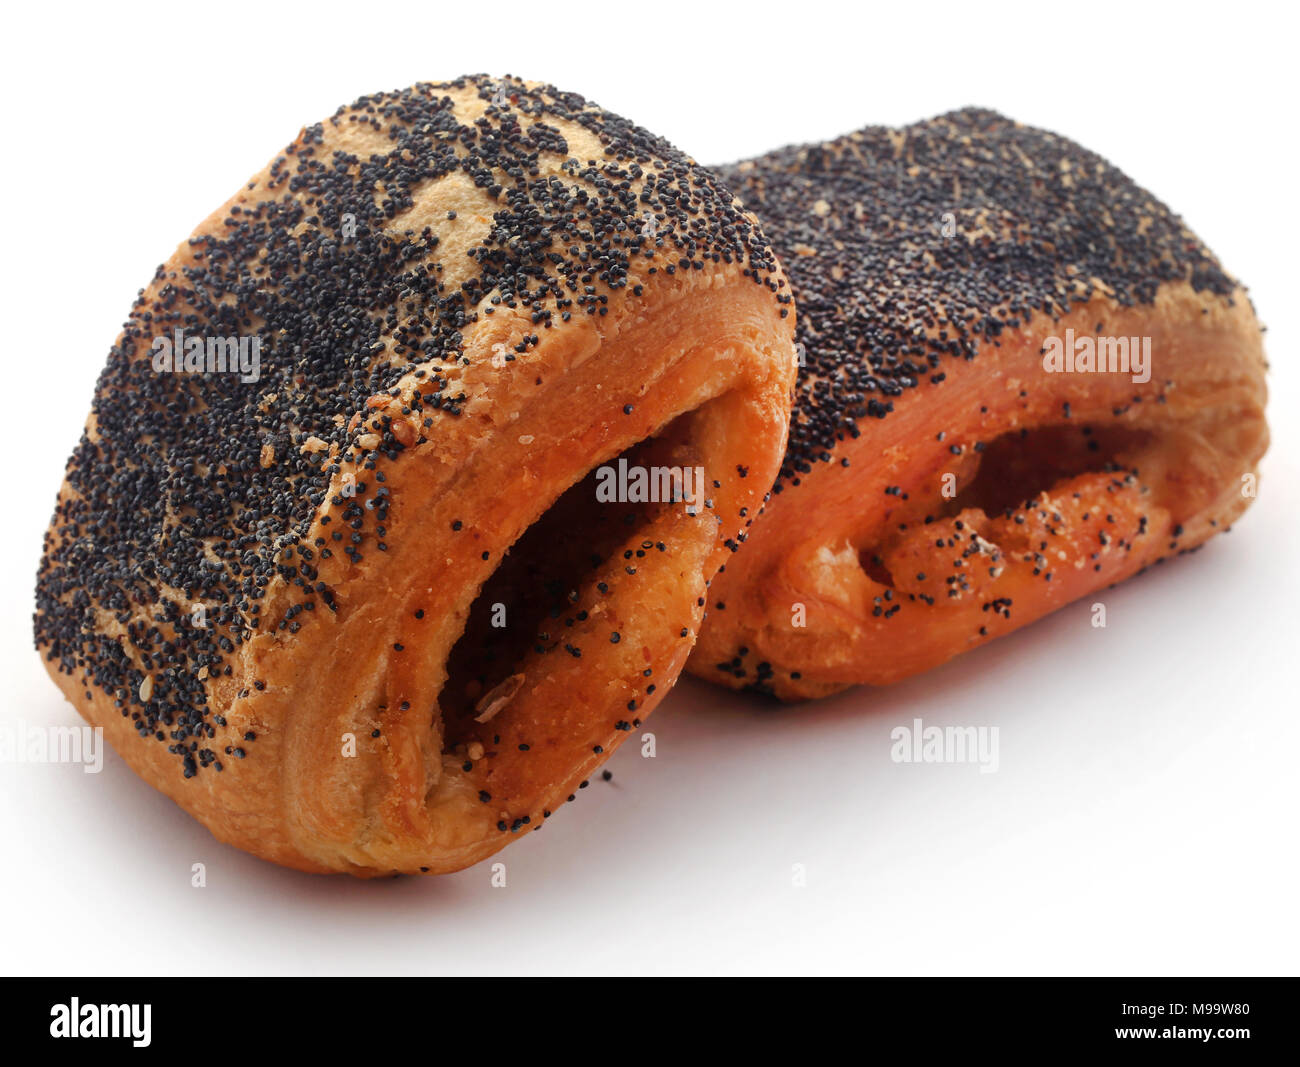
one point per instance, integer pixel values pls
(829, 553)
(942, 487)
(389, 458)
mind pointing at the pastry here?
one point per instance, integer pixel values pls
(401, 487)
(1024, 380)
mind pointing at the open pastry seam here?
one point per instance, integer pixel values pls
(725, 374)
(1203, 432)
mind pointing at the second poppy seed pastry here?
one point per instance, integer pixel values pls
(402, 485)
(1025, 380)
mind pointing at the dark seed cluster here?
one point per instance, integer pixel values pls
(200, 489)
(908, 247)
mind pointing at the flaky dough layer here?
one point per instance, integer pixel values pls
(467, 297)
(951, 475)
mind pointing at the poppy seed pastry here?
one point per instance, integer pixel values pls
(1024, 380)
(329, 565)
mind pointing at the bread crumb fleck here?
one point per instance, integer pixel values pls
(497, 697)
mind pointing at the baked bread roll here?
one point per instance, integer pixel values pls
(402, 485)
(1025, 380)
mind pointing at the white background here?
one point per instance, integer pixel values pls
(1144, 816)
